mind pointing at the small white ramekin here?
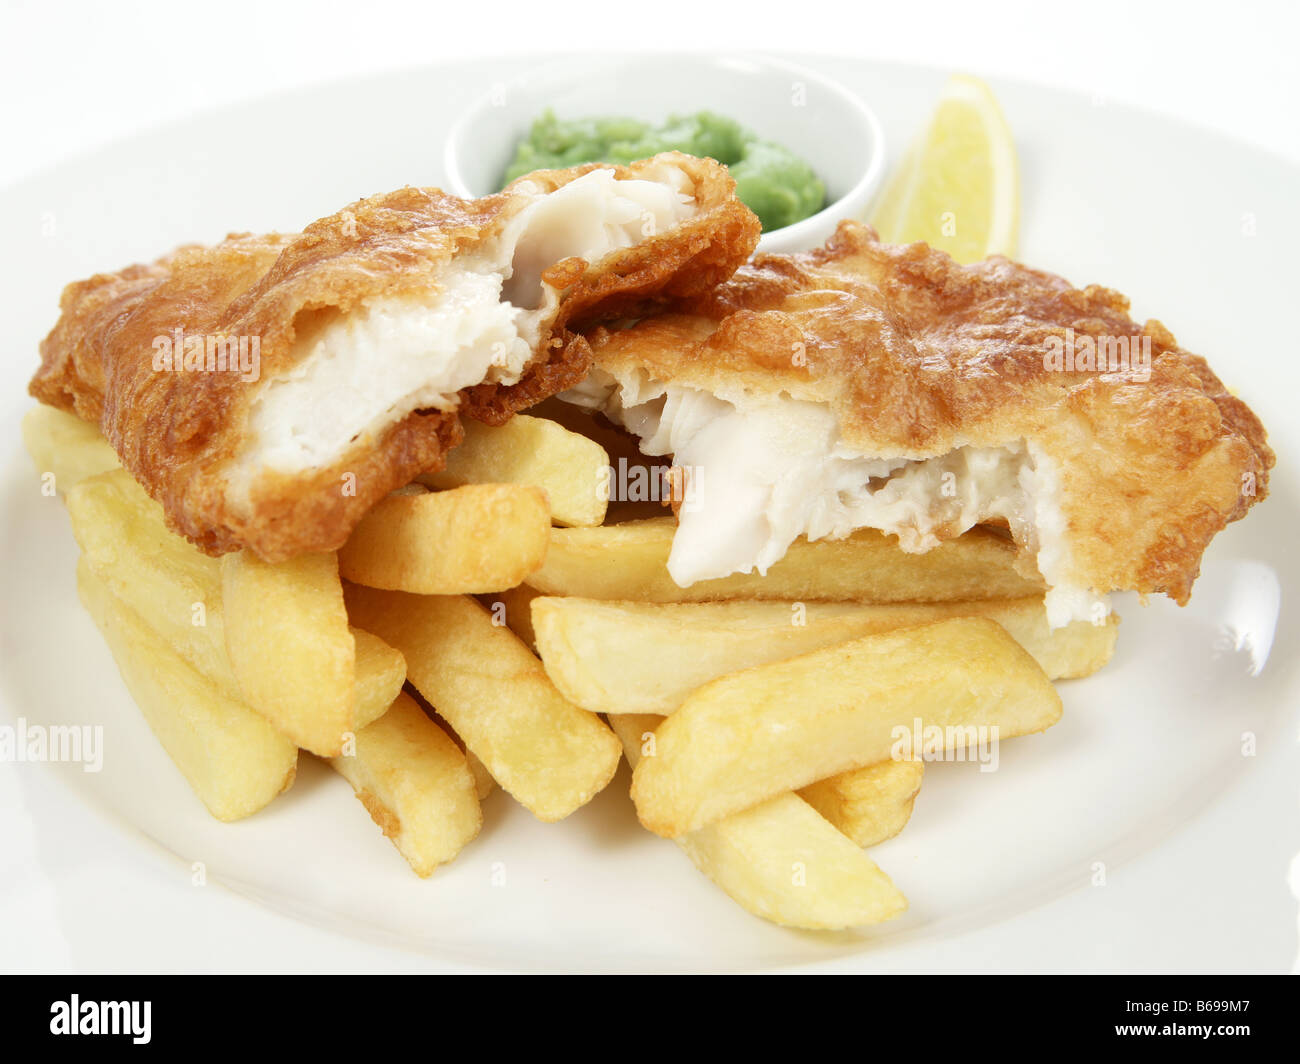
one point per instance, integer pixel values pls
(817, 119)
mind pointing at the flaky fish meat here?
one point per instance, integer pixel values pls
(866, 385)
(270, 389)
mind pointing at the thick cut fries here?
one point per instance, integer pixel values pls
(513, 608)
(636, 657)
(232, 758)
(168, 581)
(779, 859)
(416, 785)
(66, 446)
(177, 588)
(869, 804)
(550, 755)
(630, 562)
(636, 480)
(470, 540)
(380, 674)
(568, 467)
(754, 734)
(290, 647)
(483, 781)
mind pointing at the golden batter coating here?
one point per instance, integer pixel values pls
(180, 433)
(917, 355)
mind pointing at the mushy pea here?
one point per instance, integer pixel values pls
(774, 183)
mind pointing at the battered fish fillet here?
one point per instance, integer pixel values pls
(863, 385)
(269, 390)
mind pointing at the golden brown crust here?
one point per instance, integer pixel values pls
(918, 355)
(178, 433)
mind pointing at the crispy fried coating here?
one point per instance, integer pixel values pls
(180, 433)
(918, 355)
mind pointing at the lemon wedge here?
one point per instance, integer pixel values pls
(958, 188)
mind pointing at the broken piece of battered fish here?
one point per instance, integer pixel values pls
(269, 390)
(863, 385)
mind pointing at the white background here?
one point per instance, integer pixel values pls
(74, 75)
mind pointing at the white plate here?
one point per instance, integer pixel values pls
(1145, 775)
